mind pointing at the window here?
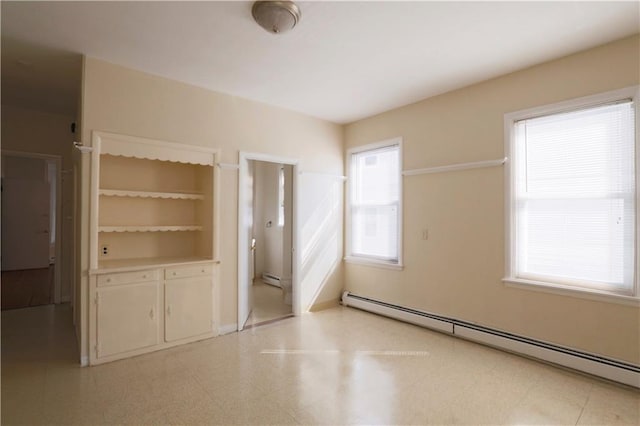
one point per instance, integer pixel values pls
(571, 194)
(374, 217)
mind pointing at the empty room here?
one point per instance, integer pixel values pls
(277, 212)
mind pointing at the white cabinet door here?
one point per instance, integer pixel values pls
(188, 307)
(127, 318)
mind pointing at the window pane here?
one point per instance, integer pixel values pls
(374, 232)
(574, 239)
(374, 198)
(583, 152)
(376, 176)
(575, 197)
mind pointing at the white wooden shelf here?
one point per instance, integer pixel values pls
(123, 265)
(148, 194)
(149, 228)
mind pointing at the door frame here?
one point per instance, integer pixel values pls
(57, 159)
(243, 249)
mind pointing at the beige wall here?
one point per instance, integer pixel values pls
(457, 272)
(28, 130)
(120, 100)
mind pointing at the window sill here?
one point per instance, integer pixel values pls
(374, 263)
(545, 287)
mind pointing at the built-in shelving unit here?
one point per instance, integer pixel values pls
(152, 200)
(153, 254)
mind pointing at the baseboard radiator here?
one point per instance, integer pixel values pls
(617, 371)
(271, 279)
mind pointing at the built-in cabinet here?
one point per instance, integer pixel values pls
(153, 276)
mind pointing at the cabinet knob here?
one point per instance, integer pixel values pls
(144, 276)
(174, 274)
(108, 280)
(151, 313)
(202, 270)
(168, 309)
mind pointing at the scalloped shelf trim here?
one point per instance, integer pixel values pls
(149, 228)
(148, 194)
(208, 162)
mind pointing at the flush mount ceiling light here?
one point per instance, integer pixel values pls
(276, 16)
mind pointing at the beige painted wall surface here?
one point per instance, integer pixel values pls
(457, 272)
(125, 101)
(28, 130)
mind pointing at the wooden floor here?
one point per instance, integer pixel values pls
(31, 287)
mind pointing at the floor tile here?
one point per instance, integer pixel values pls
(335, 367)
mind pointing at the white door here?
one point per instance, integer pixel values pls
(25, 224)
(245, 237)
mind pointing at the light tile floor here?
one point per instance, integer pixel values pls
(339, 366)
(268, 303)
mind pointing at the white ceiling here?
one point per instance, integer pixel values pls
(344, 61)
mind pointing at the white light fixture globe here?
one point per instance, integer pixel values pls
(276, 16)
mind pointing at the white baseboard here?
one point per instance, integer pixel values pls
(84, 361)
(271, 279)
(227, 328)
(597, 368)
(597, 365)
(394, 312)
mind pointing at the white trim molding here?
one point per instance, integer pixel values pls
(84, 361)
(568, 291)
(455, 167)
(358, 260)
(227, 329)
(228, 166)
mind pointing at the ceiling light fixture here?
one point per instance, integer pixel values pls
(276, 16)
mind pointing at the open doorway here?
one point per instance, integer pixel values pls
(266, 264)
(30, 230)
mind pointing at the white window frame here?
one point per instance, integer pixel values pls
(510, 119)
(350, 257)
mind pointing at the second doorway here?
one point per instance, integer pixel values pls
(271, 243)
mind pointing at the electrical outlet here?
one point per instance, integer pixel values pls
(104, 250)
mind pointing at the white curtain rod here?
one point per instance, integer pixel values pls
(452, 167)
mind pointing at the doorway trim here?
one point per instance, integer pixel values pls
(57, 159)
(243, 248)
